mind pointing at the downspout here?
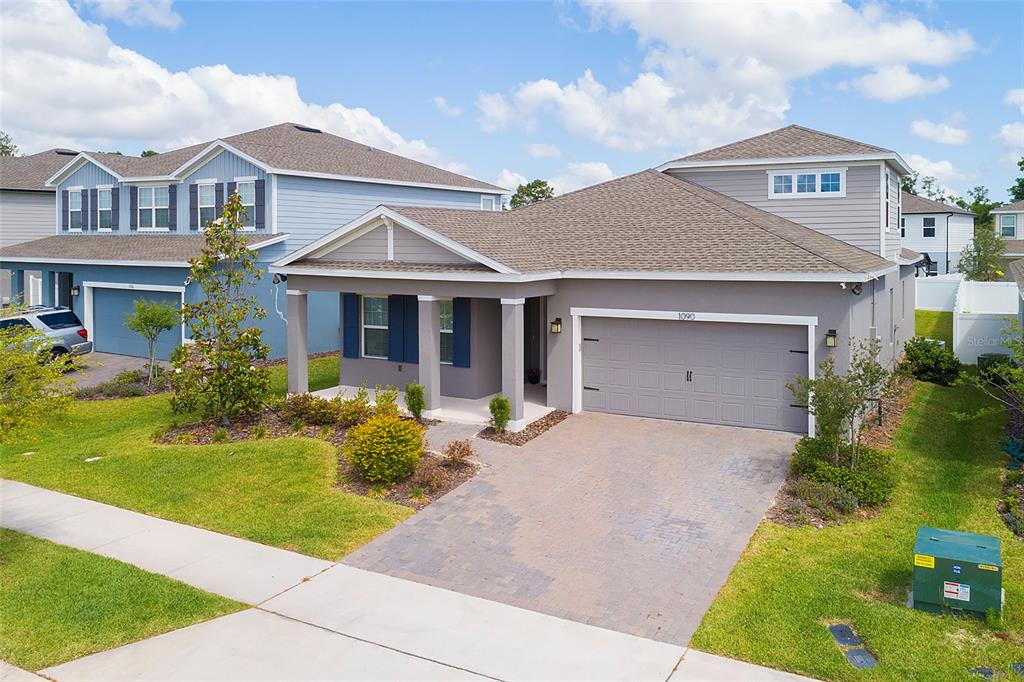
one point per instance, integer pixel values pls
(948, 215)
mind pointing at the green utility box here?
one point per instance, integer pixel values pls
(957, 572)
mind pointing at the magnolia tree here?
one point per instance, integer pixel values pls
(217, 374)
(33, 387)
(150, 319)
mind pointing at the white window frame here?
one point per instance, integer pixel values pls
(816, 172)
(206, 182)
(1013, 220)
(494, 202)
(932, 227)
(363, 326)
(75, 191)
(153, 209)
(100, 189)
(249, 180)
(443, 331)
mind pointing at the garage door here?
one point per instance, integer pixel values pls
(109, 333)
(715, 372)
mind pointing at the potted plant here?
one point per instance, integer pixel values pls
(533, 376)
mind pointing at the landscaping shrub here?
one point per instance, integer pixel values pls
(458, 453)
(415, 400)
(310, 409)
(428, 475)
(994, 368)
(501, 410)
(220, 435)
(355, 410)
(112, 389)
(925, 360)
(870, 483)
(385, 449)
(386, 399)
(824, 496)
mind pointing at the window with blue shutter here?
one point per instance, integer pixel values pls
(94, 221)
(350, 326)
(261, 211)
(396, 328)
(115, 208)
(412, 330)
(65, 215)
(460, 332)
(172, 208)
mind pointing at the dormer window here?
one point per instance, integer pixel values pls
(830, 182)
(487, 202)
(806, 183)
(782, 184)
(801, 184)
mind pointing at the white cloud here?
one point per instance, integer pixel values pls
(895, 82)
(65, 83)
(509, 179)
(1015, 97)
(714, 72)
(938, 132)
(540, 150)
(1012, 135)
(157, 13)
(579, 175)
(944, 171)
(447, 109)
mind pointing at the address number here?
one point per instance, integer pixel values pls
(688, 316)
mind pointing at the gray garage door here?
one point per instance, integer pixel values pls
(715, 372)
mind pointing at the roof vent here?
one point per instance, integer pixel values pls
(66, 152)
(307, 129)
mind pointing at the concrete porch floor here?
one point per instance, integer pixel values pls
(463, 410)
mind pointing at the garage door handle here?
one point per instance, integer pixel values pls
(586, 339)
(590, 388)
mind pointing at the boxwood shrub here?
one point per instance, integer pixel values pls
(385, 448)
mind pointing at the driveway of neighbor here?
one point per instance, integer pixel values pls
(626, 523)
(99, 368)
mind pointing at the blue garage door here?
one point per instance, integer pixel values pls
(111, 336)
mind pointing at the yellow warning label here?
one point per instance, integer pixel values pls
(924, 561)
(987, 567)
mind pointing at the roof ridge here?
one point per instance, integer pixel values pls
(745, 139)
(581, 189)
(838, 137)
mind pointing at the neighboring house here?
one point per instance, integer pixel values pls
(27, 205)
(1009, 224)
(125, 227)
(937, 230)
(696, 291)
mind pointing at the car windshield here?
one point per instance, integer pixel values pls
(61, 320)
(14, 322)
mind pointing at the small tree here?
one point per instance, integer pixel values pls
(981, 260)
(1004, 381)
(150, 319)
(7, 146)
(148, 152)
(218, 373)
(531, 193)
(1017, 191)
(33, 387)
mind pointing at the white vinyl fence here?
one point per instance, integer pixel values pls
(980, 313)
(937, 293)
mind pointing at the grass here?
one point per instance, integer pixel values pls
(323, 373)
(59, 603)
(935, 324)
(278, 492)
(791, 581)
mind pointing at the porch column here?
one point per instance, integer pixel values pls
(49, 287)
(430, 353)
(18, 287)
(298, 342)
(512, 376)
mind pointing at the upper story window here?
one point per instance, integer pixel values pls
(1008, 225)
(103, 208)
(807, 183)
(929, 227)
(153, 213)
(207, 204)
(487, 202)
(247, 191)
(903, 227)
(74, 209)
(447, 331)
(375, 326)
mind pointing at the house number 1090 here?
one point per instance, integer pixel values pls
(687, 316)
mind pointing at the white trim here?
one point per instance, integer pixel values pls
(296, 292)
(513, 301)
(498, 191)
(792, 173)
(432, 414)
(516, 425)
(883, 213)
(426, 299)
(811, 366)
(104, 187)
(247, 178)
(390, 225)
(87, 305)
(212, 151)
(94, 261)
(893, 157)
(363, 326)
(205, 181)
(273, 204)
(276, 239)
(80, 160)
(494, 202)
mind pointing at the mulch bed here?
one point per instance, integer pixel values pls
(432, 480)
(880, 437)
(112, 390)
(284, 360)
(532, 430)
(203, 432)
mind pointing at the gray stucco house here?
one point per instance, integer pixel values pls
(694, 291)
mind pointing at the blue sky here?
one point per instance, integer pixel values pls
(572, 92)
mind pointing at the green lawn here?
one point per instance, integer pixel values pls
(323, 373)
(59, 603)
(934, 324)
(279, 492)
(790, 581)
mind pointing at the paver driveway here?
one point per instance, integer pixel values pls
(625, 523)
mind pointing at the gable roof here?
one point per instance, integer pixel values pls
(165, 249)
(912, 203)
(792, 142)
(1017, 270)
(31, 172)
(646, 223)
(294, 149)
(1012, 207)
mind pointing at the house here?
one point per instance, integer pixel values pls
(937, 230)
(695, 291)
(1009, 224)
(125, 227)
(27, 207)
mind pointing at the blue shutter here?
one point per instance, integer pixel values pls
(172, 208)
(261, 212)
(133, 219)
(218, 200)
(193, 206)
(232, 188)
(460, 332)
(86, 213)
(94, 209)
(64, 217)
(350, 326)
(115, 208)
(396, 328)
(412, 330)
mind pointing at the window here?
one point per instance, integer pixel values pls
(61, 320)
(207, 204)
(103, 206)
(830, 182)
(13, 322)
(929, 227)
(806, 182)
(932, 269)
(782, 184)
(247, 190)
(886, 199)
(447, 329)
(375, 326)
(486, 202)
(75, 209)
(1008, 225)
(153, 212)
(903, 227)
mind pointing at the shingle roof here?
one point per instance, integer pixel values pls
(910, 254)
(31, 172)
(290, 146)
(1017, 270)
(389, 266)
(1014, 246)
(791, 141)
(1012, 206)
(912, 203)
(646, 222)
(173, 248)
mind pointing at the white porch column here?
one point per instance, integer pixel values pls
(512, 370)
(298, 342)
(430, 353)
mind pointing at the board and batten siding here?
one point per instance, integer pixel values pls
(309, 208)
(372, 247)
(224, 167)
(855, 218)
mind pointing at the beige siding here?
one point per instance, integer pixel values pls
(854, 218)
(372, 246)
(892, 228)
(25, 216)
(412, 248)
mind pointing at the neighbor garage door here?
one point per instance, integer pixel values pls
(109, 333)
(715, 372)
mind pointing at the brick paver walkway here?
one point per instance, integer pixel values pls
(625, 523)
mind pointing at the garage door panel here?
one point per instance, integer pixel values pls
(619, 376)
(734, 359)
(673, 355)
(766, 362)
(705, 383)
(647, 378)
(620, 402)
(109, 308)
(766, 417)
(734, 386)
(675, 408)
(674, 381)
(648, 405)
(766, 388)
(705, 410)
(732, 413)
(618, 352)
(704, 357)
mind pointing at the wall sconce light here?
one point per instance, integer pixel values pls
(831, 339)
(75, 291)
(556, 325)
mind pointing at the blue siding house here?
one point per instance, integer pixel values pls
(125, 227)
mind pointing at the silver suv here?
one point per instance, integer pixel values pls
(60, 325)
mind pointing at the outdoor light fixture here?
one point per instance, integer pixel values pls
(556, 325)
(75, 291)
(830, 338)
